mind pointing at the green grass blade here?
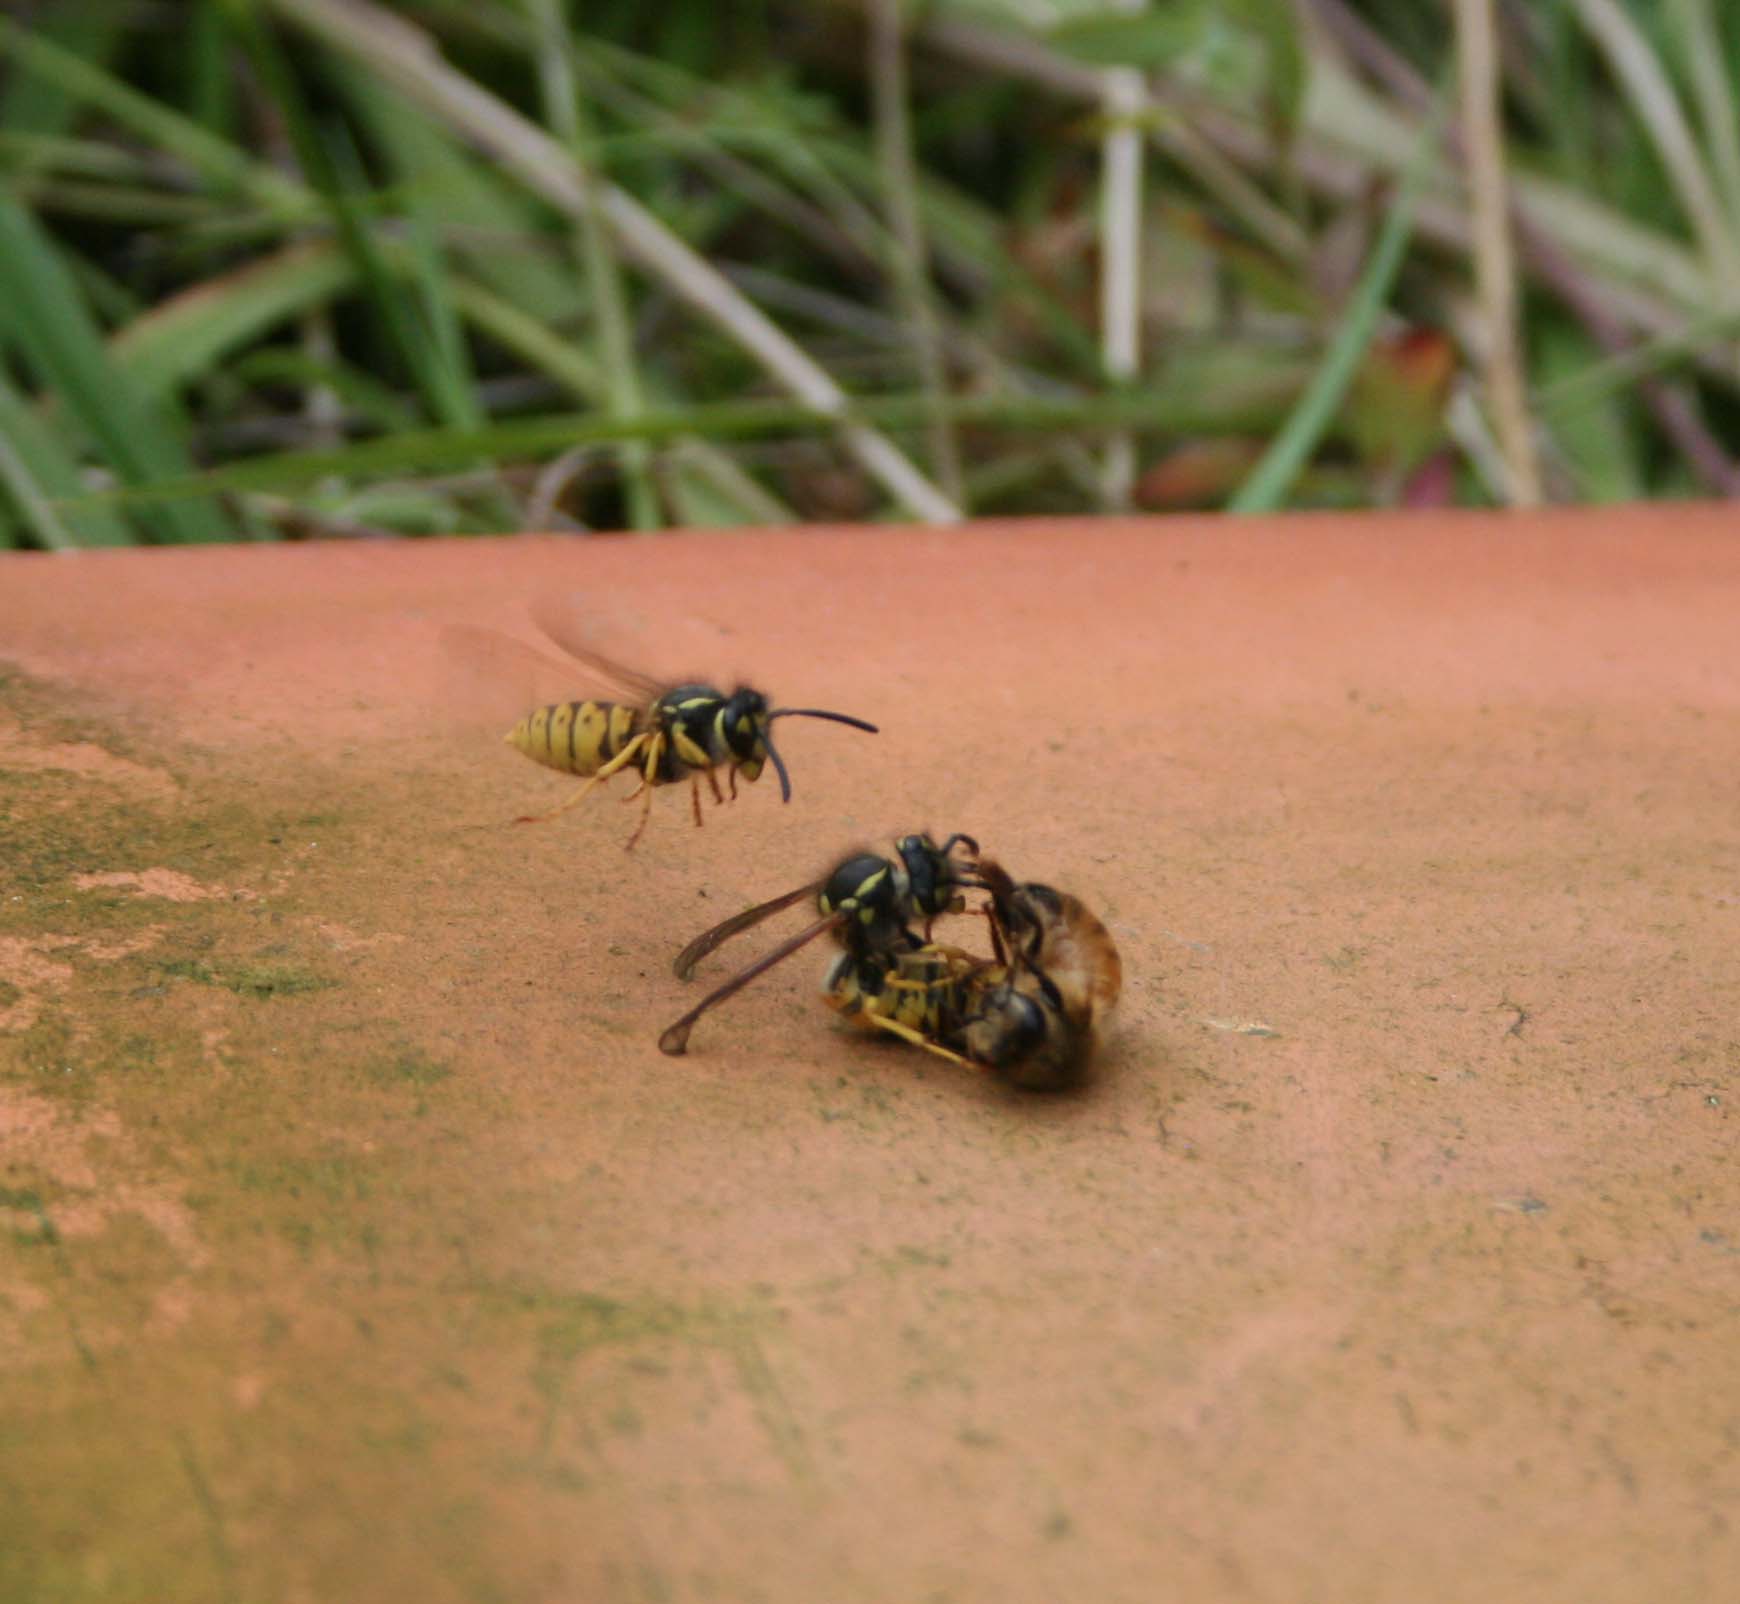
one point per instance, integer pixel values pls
(228, 170)
(36, 103)
(570, 121)
(35, 473)
(376, 404)
(1606, 376)
(707, 487)
(186, 336)
(1597, 440)
(43, 317)
(211, 87)
(1252, 407)
(417, 177)
(1291, 449)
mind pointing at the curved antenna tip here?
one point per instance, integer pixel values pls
(779, 769)
(821, 712)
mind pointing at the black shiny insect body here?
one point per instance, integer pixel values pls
(1012, 1021)
(1037, 1025)
(922, 993)
(868, 902)
(1031, 1015)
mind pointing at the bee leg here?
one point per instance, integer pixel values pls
(621, 760)
(998, 949)
(917, 1038)
(655, 751)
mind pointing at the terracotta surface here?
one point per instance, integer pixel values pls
(360, 1245)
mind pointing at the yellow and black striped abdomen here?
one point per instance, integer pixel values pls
(576, 737)
(924, 990)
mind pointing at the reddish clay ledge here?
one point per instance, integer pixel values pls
(361, 1244)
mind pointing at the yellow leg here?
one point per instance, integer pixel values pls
(963, 963)
(621, 760)
(655, 750)
(918, 1039)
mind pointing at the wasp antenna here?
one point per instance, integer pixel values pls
(674, 1039)
(832, 718)
(778, 768)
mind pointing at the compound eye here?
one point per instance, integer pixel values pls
(1030, 1020)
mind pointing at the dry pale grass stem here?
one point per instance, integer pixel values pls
(1494, 263)
(1124, 99)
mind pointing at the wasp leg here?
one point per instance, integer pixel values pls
(713, 780)
(733, 782)
(918, 1039)
(655, 751)
(695, 798)
(621, 760)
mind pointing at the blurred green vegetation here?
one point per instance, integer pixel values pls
(283, 269)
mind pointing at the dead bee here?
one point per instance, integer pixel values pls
(666, 733)
(868, 902)
(1037, 1023)
(1030, 1014)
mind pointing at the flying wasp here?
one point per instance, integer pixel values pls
(868, 903)
(666, 733)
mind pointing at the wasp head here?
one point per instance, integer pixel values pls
(743, 725)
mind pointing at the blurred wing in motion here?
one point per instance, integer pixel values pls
(489, 680)
(564, 628)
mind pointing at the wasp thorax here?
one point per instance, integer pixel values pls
(861, 884)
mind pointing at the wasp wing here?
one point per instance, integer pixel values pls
(712, 940)
(491, 678)
(629, 683)
(674, 1039)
